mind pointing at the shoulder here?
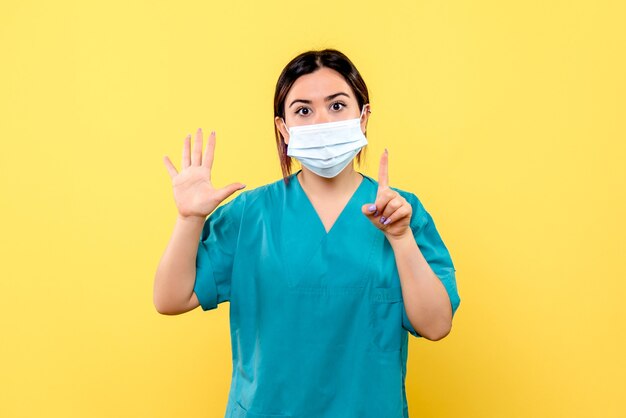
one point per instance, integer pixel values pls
(248, 199)
(266, 191)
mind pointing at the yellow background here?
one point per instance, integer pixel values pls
(506, 119)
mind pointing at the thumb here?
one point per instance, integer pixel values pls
(369, 210)
(226, 191)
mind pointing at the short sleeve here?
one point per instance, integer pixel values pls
(216, 253)
(436, 254)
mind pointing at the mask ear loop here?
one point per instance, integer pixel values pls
(286, 127)
(363, 110)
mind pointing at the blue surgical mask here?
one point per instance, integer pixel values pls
(326, 148)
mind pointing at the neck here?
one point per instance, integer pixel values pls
(344, 182)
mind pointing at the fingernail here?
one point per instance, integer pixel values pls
(372, 208)
(386, 152)
(213, 132)
(387, 221)
(376, 213)
(382, 219)
(242, 186)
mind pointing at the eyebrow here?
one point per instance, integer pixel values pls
(332, 96)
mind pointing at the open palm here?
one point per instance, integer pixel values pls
(194, 193)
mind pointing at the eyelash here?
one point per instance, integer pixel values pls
(297, 112)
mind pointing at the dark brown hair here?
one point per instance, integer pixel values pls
(306, 63)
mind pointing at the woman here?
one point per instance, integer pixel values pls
(325, 269)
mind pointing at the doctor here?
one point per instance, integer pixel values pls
(326, 270)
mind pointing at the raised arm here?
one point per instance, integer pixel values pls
(195, 199)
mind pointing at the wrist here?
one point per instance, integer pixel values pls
(405, 237)
(191, 220)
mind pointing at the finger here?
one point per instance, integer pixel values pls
(186, 162)
(382, 198)
(170, 167)
(400, 213)
(226, 191)
(369, 209)
(383, 176)
(196, 157)
(370, 214)
(392, 206)
(207, 160)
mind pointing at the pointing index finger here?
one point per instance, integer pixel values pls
(383, 176)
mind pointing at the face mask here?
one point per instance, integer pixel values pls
(326, 148)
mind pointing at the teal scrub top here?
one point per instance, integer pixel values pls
(317, 322)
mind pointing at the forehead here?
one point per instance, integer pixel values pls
(318, 84)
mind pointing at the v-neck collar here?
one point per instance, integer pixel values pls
(311, 255)
(346, 208)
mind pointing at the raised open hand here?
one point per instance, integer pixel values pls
(391, 212)
(193, 191)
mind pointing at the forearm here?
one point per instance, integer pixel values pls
(425, 298)
(175, 275)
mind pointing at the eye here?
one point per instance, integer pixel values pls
(338, 105)
(303, 109)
